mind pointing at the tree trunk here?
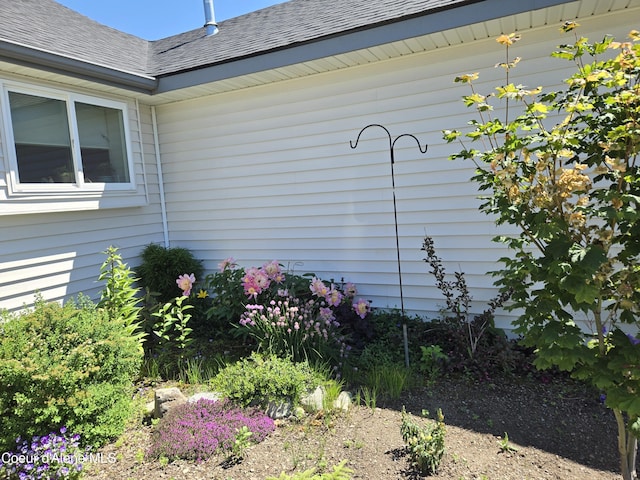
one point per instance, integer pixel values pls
(627, 447)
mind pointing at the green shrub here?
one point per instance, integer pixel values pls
(67, 366)
(260, 380)
(425, 443)
(161, 267)
(228, 300)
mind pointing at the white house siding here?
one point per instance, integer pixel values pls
(59, 254)
(267, 173)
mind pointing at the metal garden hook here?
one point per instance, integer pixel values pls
(392, 144)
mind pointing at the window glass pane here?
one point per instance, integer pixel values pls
(102, 144)
(41, 135)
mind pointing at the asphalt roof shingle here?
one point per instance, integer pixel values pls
(280, 26)
(49, 26)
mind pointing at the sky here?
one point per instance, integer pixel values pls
(152, 20)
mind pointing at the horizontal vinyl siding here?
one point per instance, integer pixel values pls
(268, 173)
(59, 254)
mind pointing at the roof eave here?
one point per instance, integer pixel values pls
(474, 11)
(42, 60)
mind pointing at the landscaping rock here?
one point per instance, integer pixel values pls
(165, 399)
(343, 402)
(279, 410)
(213, 396)
(314, 401)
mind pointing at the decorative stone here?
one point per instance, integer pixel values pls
(314, 401)
(167, 398)
(343, 402)
(213, 396)
(279, 410)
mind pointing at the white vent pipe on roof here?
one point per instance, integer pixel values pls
(210, 18)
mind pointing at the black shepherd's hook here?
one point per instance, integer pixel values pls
(392, 144)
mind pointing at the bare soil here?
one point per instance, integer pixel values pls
(558, 430)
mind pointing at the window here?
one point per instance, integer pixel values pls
(66, 142)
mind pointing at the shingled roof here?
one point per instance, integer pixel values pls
(48, 26)
(45, 34)
(51, 27)
(281, 26)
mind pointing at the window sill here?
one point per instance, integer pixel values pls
(23, 203)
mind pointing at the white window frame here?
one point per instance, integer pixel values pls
(80, 187)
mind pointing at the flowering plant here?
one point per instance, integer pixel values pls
(197, 430)
(305, 326)
(52, 456)
(297, 316)
(291, 328)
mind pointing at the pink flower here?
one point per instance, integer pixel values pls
(262, 279)
(362, 308)
(350, 290)
(327, 314)
(318, 288)
(334, 297)
(185, 283)
(250, 288)
(273, 272)
(255, 282)
(227, 264)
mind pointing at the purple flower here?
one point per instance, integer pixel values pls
(633, 340)
(195, 431)
(40, 450)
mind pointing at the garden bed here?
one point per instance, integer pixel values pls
(559, 431)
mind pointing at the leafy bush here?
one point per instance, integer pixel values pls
(227, 297)
(263, 379)
(71, 365)
(53, 456)
(472, 343)
(458, 299)
(425, 443)
(495, 355)
(431, 362)
(161, 267)
(385, 342)
(172, 309)
(197, 430)
(171, 325)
